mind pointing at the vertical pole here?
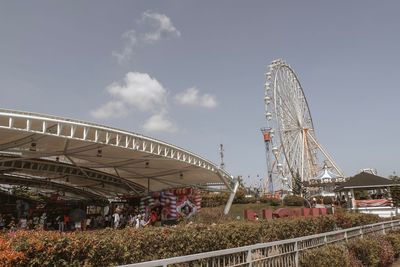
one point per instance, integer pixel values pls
(302, 158)
(248, 258)
(296, 249)
(148, 185)
(353, 200)
(231, 196)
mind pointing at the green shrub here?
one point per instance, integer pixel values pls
(327, 200)
(386, 254)
(245, 200)
(270, 201)
(275, 202)
(213, 199)
(115, 247)
(347, 220)
(292, 200)
(394, 239)
(327, 256)
(366, 250)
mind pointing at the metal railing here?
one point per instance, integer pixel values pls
(273, 254)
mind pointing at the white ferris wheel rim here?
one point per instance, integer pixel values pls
(299, 115)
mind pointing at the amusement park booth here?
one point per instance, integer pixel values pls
(367, 193)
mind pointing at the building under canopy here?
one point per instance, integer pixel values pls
(77, 160)
(366, 190)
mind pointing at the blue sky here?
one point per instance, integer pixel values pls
(192, 72)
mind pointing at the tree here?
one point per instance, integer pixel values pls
(395, 192)
(298, 188)
(394, 177)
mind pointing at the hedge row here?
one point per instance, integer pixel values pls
(218, 199)
(374, 250)
(113, 247)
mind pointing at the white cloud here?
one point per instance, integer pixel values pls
(192, 97)
(111, 109)
(159, 123)
(139, 91)
(160, 27)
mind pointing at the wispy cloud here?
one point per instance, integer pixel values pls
(162, 27)
(158, 26)
(130, 40)
(192, 97)
(113, 108)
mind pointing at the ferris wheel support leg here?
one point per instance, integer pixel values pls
(326, 155)
(231, 196)
(302, 158)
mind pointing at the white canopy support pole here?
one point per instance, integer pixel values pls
(231, 196)
(224, 180)
(353, 200)
(340, 172)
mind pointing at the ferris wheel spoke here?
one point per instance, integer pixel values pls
(312, 156)
(292, 151)
(287, 119)
(287, 96)
(293, 94)
(286, 110)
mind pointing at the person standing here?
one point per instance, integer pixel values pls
(2, 222)
(60, 222)
(22, 224)
(42, 221)
(116, 218)
(66, 222)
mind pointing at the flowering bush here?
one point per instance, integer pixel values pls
(115, 247)
(292, 200)
(394, 239)
(373, 250)
(327, 256)
(9, 257)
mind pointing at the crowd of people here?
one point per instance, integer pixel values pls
(63, 222)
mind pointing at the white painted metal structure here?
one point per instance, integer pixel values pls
(273, 254)
(95, 161)
(293, 147)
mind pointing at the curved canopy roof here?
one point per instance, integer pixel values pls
(95, 161)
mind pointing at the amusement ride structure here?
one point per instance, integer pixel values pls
(292, 149)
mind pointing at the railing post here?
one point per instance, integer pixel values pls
(361, 232)
(383, 228)
(296, 249)
(345, 236)
(248, 258)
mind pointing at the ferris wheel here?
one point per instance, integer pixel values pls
(291, 145)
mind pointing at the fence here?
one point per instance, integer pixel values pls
(273, 254)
